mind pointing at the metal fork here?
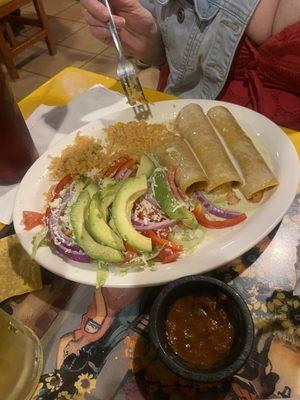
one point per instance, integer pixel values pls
(126, 71)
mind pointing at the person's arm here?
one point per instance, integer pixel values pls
(271, 17)
(137, 28)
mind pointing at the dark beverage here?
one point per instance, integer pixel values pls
(17, 150)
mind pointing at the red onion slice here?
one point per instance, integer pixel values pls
(153, 202)
(123, 174)
(63, 243)
(141, 226)
(171, 182)
(57, 234)
(74, 255)
(213, 209)
(68, 194)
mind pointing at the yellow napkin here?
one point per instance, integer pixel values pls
(2, 2)
(294, 137)
(18, 272)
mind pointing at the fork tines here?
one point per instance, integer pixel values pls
(133, 89)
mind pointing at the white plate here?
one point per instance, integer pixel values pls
(219, 247)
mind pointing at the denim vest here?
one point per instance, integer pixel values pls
(201, 38)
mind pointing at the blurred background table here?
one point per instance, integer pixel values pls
(96, 343)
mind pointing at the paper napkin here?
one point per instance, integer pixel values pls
(48, 124)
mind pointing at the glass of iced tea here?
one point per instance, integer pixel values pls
(21, 359)
(17, 150)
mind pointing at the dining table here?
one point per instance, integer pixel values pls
(95, 340)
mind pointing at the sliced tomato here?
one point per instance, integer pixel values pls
(65, 181)
(168, 255)
(207, 223)
(163, 242)
(31, 219)
(130, 252)
(130, 248)
(127, 164)
(117, 164)
(163, 233)
(124, 170)
(128, 256)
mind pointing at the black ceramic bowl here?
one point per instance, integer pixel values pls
(237, 311)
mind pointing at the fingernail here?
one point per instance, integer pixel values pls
(120, 23)
(106, 16)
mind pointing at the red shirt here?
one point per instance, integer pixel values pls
(266, 78)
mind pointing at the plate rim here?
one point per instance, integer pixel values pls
(123, 283)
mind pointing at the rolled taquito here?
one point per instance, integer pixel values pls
(189, 174)
(257, 175)
(195, 128)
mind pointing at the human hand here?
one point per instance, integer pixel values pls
(137, 28)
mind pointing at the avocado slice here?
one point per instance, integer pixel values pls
(168, 203)
(112, 225)
(95, 250)
(92, 188)
(78, 211)
(146, 166)
(107, 183)
(131, 190)
(104, 205)
(107, 197)
(98, 228)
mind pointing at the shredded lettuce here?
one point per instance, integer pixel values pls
(132, 268)
(188, 238)
(102, 273)
(123, 272)
(219, 200)
(39, 240)
(143, 260)
(191, 203)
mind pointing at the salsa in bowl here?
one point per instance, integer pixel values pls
(201, 328)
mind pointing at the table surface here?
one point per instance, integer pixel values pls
(96, 341)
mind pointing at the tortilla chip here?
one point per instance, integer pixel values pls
(19, 273)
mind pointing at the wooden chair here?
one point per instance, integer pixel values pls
(11, 46)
